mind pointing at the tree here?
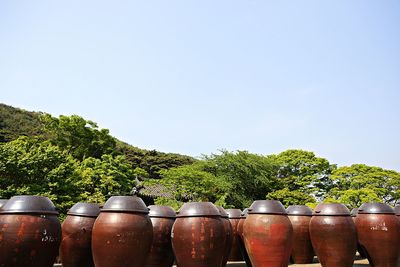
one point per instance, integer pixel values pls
(288, 197)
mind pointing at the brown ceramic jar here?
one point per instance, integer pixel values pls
(379, 233)
(300, 217)
(234, 218)
(161, 254)
(76, 243)
(360, 250)
(243, 250)
(198, 235)
(268, 234)
(333, 235)
(122, 233)
(228, 234)
(30, 232)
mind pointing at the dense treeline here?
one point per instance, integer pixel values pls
(69, 159)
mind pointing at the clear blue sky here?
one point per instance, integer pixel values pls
(196, 76)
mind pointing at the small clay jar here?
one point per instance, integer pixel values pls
(76, 243)
(268, 234)
(198, 235)
(243, 250)
(379, 233)
(122, 233)
(161, 253)
(300, 217)
(30, 232)
(333, 235)
(228, 234)
(234, 218)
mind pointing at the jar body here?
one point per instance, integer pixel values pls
(121, 239)
(334, 240)
(198, 241)
(302, 251)
(29, 240)
(241, 242)
(161, 254)
(235, 254)
(268, 239)
(228, 240)
(379, 236)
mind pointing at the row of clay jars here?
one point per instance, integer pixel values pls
(30, 232)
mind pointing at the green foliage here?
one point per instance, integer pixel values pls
(291, 197)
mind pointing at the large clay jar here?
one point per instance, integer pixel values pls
(228, 234)
(300, 217)
(268, 234)
(76, 243)
(161, 254)
(30, 232)
(243, 250)
(234, 218)
(122, 233)
(379, 233)
(198, 235)
(333, 235)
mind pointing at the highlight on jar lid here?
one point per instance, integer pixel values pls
(3, 202)
(331, 209)
(234, 213)
(128, 204)
(222, 212)
(161, 211)
(397, 210)
(198, 209)
(267, 207)
(299, 210)
(84, 209)
(375, 208)
(29, 204)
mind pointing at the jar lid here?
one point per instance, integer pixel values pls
(3, 202)
(267, 207)
(84, 209)
(234, 213)
(397, 210)
(331, 209)
(300, 210)
(375, 208)
(354, 212)
(129, 204)
(29, 204)
(161, 211)
(223, 212)
(198, 209)
(244, 214)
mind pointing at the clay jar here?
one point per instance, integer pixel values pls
(234, 218)
(122, 233)
(228, 234)
(379, 233)
(268, 234)
(161, 254)
(300, 217)
(198, 235)
(75, 249)
(243, 250)
(333, 235)
(30, 232)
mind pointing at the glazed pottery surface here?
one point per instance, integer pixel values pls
(3, 202)
(161, 254)
(198, 236)
(234, 218)
(333, 235)
(75, 248)
(379, 233)
(30, 232)
(228, 234)
(300, 217)
(122, 233)
(268, 234)
(243, 250)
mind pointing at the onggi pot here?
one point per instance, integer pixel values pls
(30, 232)
(228, 234)
(75, 249)
(243, 250)
(122, 233)
(234, 218)
(161, 254)
(379, 233)
(268, 234)
(360, 250)
(333, 235)
(300, 217)
(198, 235)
